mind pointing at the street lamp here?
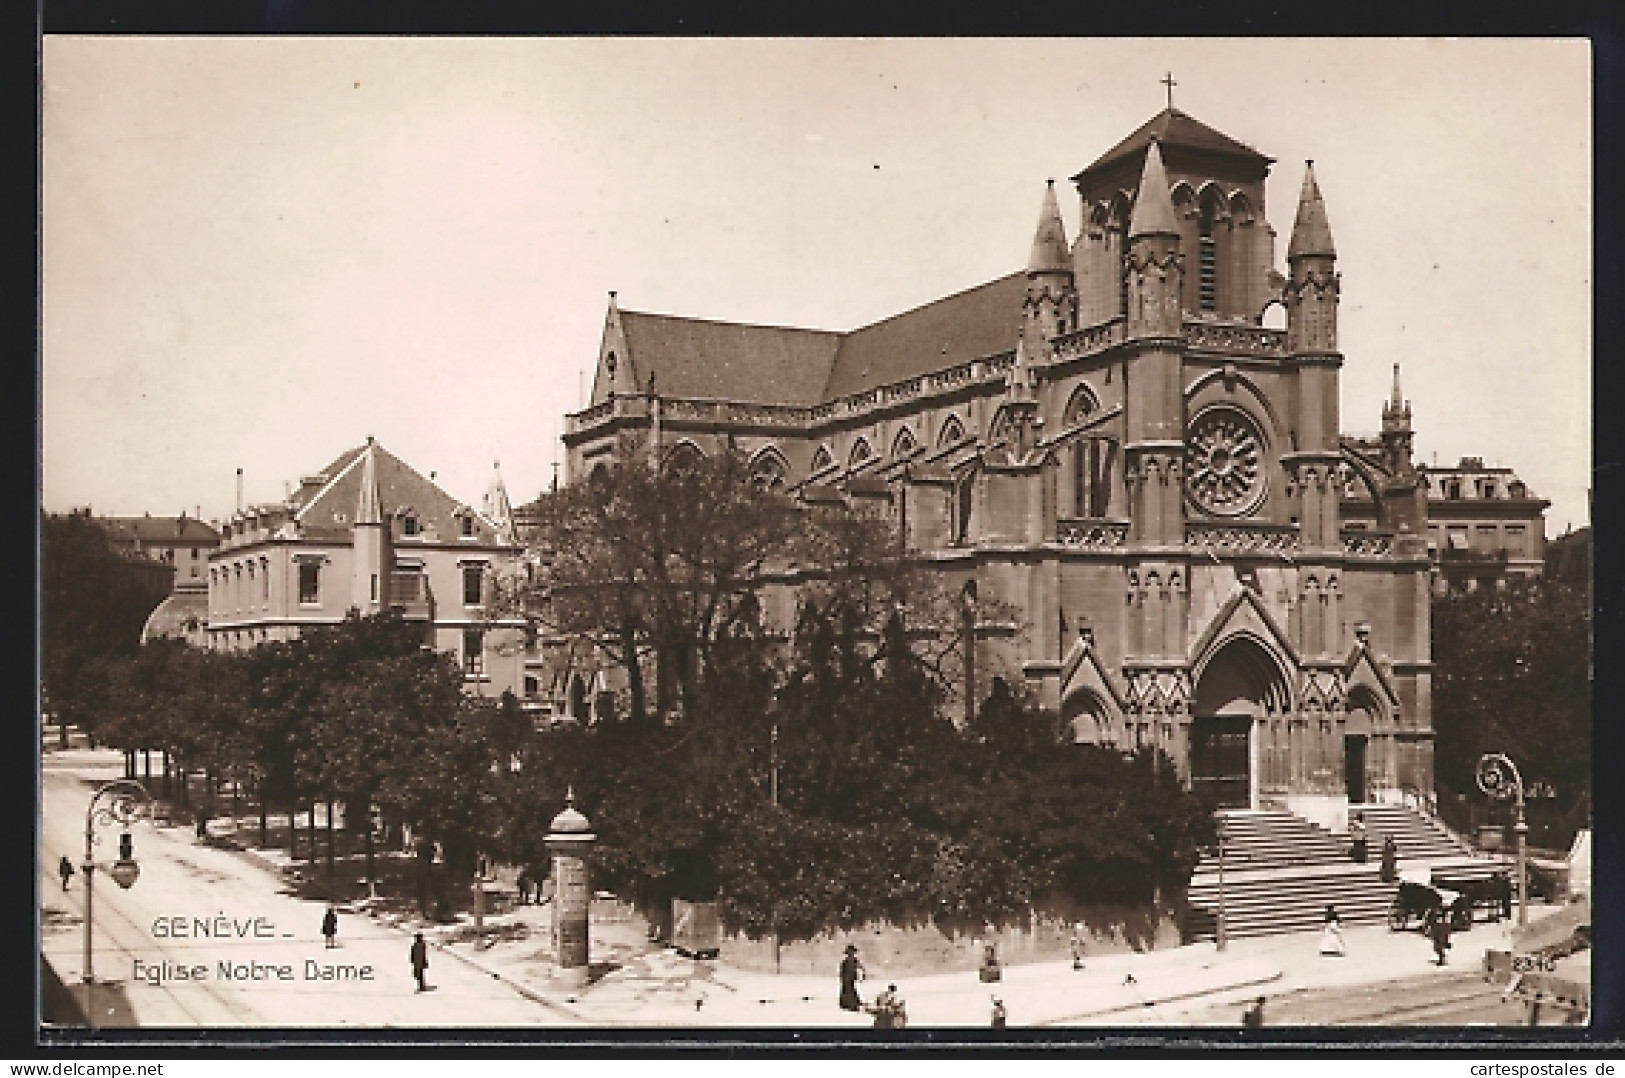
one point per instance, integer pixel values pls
(118, 803)
(1498, 777)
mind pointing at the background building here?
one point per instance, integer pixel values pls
(368, 533)
(1117, 443)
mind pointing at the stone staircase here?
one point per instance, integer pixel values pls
(1417, 837)
(1281, 871)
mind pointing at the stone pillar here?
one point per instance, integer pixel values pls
(568, 841)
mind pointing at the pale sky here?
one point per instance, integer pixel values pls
(259, 251)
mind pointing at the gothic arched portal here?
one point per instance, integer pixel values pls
(1237, 688)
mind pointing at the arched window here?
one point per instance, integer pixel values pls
(684, 459)
(1093, 460)
(769, 469)
(822, 460)
(963, 499)
(860, 453)
(1207, 261)
(952, 431)
(1079, 407)
(903, 445)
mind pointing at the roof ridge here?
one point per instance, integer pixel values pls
(332, 480)
(731, 322)
(1022, 273)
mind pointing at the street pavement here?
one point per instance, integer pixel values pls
(272, 944)
(506, 978)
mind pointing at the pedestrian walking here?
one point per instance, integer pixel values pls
(1331, 935)
(1390, 860)
(1000, 1017)
(420, 961)
(524, 887)
(1437, 928)
(851, 973)
(1077, 946)
(1253, 1017)
(330, 926)
(1357, 838)
(64, 868)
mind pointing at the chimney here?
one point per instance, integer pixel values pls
(239, 490)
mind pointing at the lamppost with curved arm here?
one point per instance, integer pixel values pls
(118, 803)
(1498, 777)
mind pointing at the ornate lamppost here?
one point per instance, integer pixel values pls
(1498, 777)
(119, 803)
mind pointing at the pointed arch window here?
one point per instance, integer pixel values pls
(904, 446)
(768, 470)
(952, 431)
(1207, 253)
(860, 453)
(683, 460)
(1093, 460)
(821, 460)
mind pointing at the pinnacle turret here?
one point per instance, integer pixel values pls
(1153, 205)
(496, 507)
(1396, 414)
(369, 507)
(1050, 251)
(1311, 232)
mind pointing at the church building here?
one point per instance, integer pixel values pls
(1115, 442)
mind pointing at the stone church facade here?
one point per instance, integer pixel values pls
(1113, 442)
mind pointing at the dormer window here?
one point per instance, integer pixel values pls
(409, 525)
(465, 524)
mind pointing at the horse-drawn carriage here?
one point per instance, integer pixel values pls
(1457, 894)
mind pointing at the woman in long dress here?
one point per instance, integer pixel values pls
(1331, 935)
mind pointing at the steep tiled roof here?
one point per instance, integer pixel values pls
(331, 510)
(693, 357)
(1173, 128)
(978, 322)
(158, 529)
(1311, 232)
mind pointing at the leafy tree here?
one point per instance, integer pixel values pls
(1511, 674)
(93, 605)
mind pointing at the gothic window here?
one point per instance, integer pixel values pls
(1225, 475)
(860, 453)
(821, 460)
(962, 508)
(904, 445)
(1207, 261)
(1079, 407)
(1092, 463)
(768, 470)
(683, 460)
(952, 431)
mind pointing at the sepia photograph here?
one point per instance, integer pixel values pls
(590, 534)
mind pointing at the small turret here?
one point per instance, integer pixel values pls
(1154, 263)
(1312, 286)
(1153, 204)
(1050, 251)
(1051, 304)
(1396, 430)
(1311, 232)
(496, 507)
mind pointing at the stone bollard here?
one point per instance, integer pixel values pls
(568, 841)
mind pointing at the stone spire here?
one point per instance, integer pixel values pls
(1153, 204)
(1050, 251)
(1311, 233)
(1396, 414)
(496, 507)
(369, 509)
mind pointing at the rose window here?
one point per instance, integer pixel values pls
(1225, 475)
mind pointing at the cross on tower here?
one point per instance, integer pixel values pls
(1168, 81)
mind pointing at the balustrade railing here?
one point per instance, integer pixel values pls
(1245, 538)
